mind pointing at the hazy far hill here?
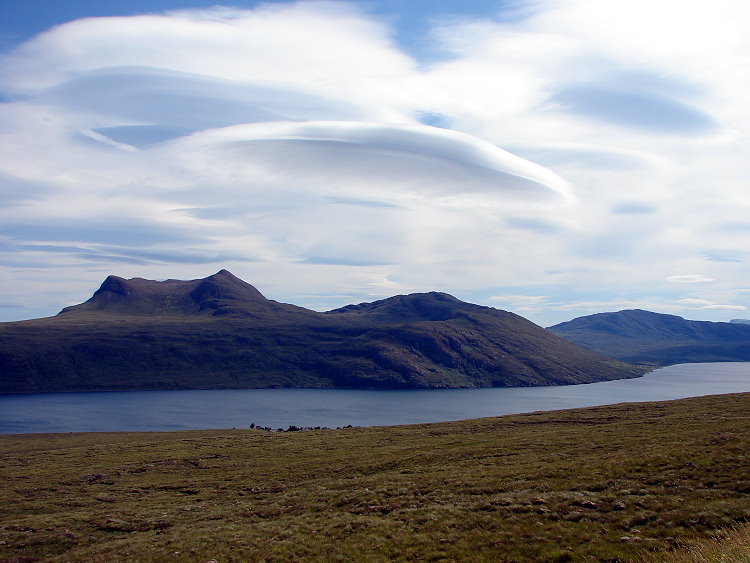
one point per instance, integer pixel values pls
(221, 332)
(643, 337)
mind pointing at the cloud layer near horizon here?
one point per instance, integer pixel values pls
(299, 146)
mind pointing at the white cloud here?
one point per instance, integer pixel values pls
(286, 142)
(725, 307)
(690, 278)
(527, 299)
(707, 304)
(394, 163)
(287, 43)
(695, 302)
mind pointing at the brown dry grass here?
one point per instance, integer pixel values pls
(615, 483)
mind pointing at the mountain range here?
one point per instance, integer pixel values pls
(656, 339)
(221, 332)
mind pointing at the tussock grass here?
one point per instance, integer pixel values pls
(729, 546)
(616, 483)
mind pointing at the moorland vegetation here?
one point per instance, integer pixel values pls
(628, 482)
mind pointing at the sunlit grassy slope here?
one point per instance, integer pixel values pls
(729, 546)
(615, 483)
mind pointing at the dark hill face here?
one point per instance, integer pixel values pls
(220, 332)
(219, 294)
(431, 306)
(653, 338)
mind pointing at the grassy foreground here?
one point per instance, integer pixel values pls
(617, 483)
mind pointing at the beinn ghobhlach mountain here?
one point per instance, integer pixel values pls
(221, 332)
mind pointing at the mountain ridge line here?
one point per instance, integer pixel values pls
(221, 332)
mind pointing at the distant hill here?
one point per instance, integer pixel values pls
(740, 321)
(221, 332)
(643, 337)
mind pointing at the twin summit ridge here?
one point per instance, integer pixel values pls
(221, 332)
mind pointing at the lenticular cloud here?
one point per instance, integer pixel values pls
(229, 98)
(287, 137)
(386, 161)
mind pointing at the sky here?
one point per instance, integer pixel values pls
(554, 158)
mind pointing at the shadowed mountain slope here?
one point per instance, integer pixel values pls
(221, 332)
(217, 295)
(650, 338)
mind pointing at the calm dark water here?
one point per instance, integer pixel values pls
(279, 408)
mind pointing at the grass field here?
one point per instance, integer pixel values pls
(631, 482)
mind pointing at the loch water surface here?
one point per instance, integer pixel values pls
(280, 408)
